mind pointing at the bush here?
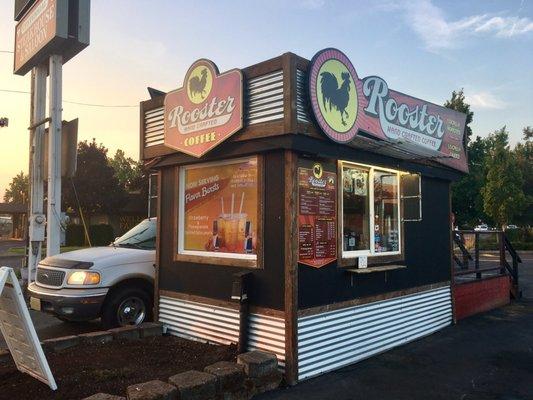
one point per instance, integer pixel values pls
(75, 235)
(101, 235)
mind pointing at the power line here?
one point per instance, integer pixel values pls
(7, 51)
(76, 102)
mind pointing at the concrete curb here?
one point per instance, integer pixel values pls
(100, 337)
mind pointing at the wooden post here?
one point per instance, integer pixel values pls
(476, 254)
(502, 252)
(291, 268)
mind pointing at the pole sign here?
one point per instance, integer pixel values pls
(344, 105)
(51, 27)
(207, 110)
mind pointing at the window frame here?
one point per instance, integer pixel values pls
(212, 257)
(353, 254)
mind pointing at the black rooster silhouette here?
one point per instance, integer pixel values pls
(333, 95)
(197, 85)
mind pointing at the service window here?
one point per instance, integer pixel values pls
(370, 205)
(219, 209)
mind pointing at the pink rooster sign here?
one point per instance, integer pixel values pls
(345, 106)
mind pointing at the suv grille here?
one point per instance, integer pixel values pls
(50, 277)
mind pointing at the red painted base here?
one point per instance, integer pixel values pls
(479, 296)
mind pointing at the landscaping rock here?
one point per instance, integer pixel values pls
(61, 343)
(148, 329)
(230, 375)
(195, 385)
(104, 396)
(99, 337)
(264, 383)
(258, 364)
(152, 390)
(125, 332)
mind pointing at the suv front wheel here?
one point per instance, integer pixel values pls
(126, 306)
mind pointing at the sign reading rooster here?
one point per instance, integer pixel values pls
(207, 110)
(343, 104)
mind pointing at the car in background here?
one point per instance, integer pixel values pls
(512, 226)
(114, 283)
(482, 227)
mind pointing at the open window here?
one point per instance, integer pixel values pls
(370, 206)
(411, 197)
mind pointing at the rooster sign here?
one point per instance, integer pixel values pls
(332, 85)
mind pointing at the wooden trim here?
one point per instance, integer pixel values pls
(370, 299)
(452, 261)
(291, 267)
(289, 93)
(270, 312)
(200, 299)
(157, 264)
(211, 258)
(370, 270)
(216, 261)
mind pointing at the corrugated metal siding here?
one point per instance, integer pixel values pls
(302, 104)
(263, 98)
(334, 339)
(263, 101)
(199, 321)
(268, 334)
(154, 127)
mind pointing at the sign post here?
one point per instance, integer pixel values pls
(37, 220)
(54, 157)
(48, 34)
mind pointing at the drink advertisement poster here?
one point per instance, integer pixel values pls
(317, 216)
(221, 207)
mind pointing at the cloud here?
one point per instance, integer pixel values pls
(439, 32)
(485, 100)
(311, 4)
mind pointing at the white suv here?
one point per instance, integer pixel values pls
(115, 283)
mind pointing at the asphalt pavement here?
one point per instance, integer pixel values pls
(487, 356)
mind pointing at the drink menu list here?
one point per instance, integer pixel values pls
(317, 216)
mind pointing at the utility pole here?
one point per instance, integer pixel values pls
(54, 157)
(36, 217)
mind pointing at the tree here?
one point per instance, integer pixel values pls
(524, 157)
(503, 196)
(458, 103)
(467, 203)
(127, 171)
(99, 190)
(18, 189)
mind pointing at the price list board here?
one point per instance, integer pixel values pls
(317, 216)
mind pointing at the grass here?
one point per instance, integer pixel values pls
(20, 251)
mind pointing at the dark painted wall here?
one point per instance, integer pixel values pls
(427, 256)
(267, 284)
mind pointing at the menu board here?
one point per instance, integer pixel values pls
(220, 202)
(317, 216)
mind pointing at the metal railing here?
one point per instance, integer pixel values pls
(471, 266)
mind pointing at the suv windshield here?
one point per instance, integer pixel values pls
(141, 236)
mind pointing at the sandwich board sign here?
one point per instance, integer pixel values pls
(19, 332)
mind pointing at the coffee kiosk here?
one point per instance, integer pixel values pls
(319, 199)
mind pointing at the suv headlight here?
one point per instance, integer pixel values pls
(83, 278)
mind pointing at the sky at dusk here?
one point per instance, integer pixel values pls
(423, 48)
